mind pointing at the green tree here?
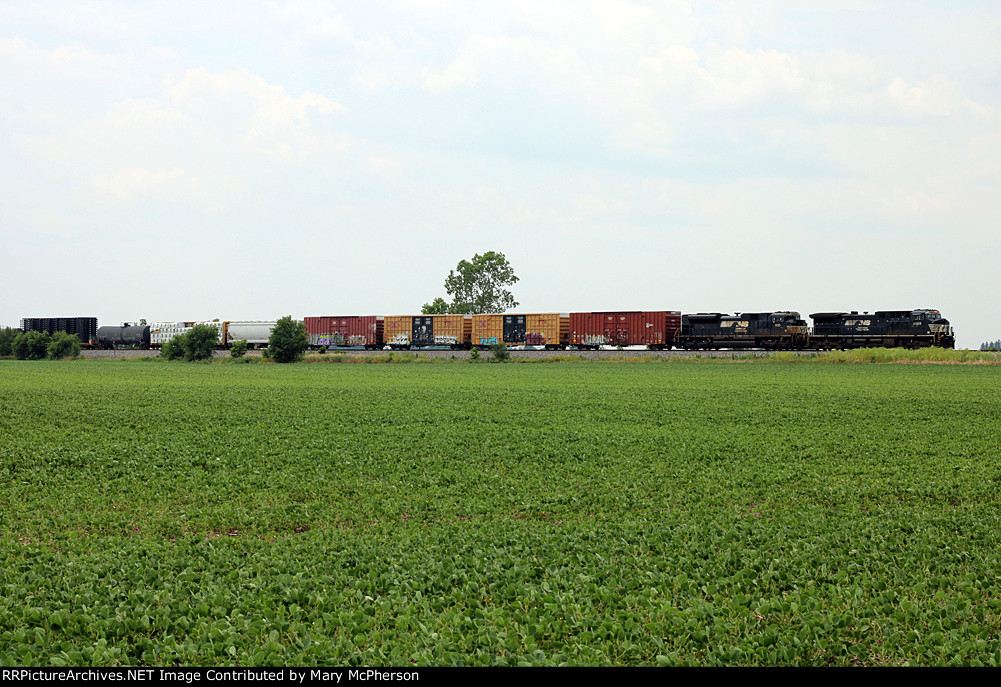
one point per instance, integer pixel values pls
(501, 354)
(477, 286)
(437, 307)
(288, 341)
(200, 342)
(173, 349)
(63, 345)
(31, 346)
(238, 349)
(7, 336)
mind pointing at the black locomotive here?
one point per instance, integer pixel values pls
(784, 330)
(884, 328)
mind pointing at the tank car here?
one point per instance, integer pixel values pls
(784, 330)
(883, 328)
(126, 336)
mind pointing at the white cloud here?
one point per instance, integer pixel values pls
(74, 61)
(253, 111)
(125, 184)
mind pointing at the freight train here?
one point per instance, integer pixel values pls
(659, 330)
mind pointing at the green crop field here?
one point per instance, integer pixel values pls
(479, 514)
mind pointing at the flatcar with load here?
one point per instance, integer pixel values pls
(85, 328)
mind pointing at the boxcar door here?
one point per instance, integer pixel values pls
(514, 329)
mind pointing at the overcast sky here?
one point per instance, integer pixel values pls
(248, 160)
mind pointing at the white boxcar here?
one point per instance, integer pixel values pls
(256, 333)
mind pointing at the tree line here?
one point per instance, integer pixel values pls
(38, 345)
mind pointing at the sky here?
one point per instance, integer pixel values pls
(249, 160)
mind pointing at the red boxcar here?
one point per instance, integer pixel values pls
(658, 329)
(345, 330)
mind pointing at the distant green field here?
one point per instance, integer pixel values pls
(607, 513)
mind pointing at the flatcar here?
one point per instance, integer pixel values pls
(85, 328)
(883, 328)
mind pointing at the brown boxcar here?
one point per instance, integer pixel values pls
(453, 330)
(399, 330)
(656, 329)
(417, 331)
(487, 330)
(551, 330)
(345, 330)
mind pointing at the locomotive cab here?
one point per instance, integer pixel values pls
(932, 324)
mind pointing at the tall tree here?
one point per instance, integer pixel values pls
(288, 341)
(477, 286)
